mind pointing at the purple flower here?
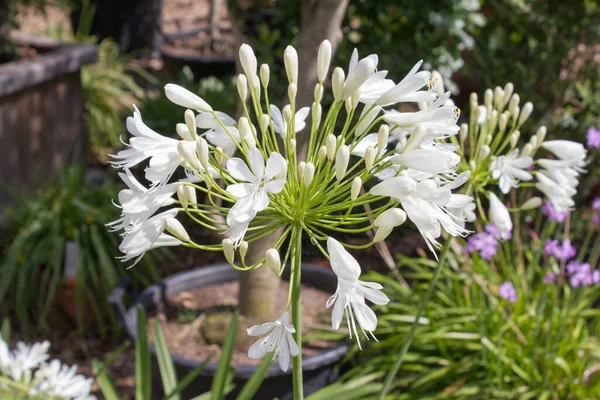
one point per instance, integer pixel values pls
(553, 215)
(508, 292)
(595, 219)
(581, 274)
(565, 251)
(596, 204)
(484, 243)
(593, 138)
(549, 247)
(549, 278)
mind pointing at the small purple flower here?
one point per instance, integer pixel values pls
(549, 278)
(508, 292)
(596, 204)
(549, 247)
(553, 215)
(581, 274)
(565, 251)
(483, 243)
(593, 138)
(595, 219)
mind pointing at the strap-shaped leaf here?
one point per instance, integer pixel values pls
(143, 373)
(218, 385)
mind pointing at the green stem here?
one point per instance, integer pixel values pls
(413, 328)
(297, 314)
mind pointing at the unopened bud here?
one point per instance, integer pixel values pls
(242, 87)
(503, 121)
(301, 166)
(292, 90)
(464, 132)
(541, 134)
(367, 119)
(318, 93)
(322, 153)
(337, 83)
(219, 155)
(342, 158)
(370, 154)
(185, 98)
(293, 145)
(498, 97)
(290, 59)
(264, 123)
(382, 233)
(244, 128)
(264, 75)
(348, 105)
(190, 121)
(473, 99)
(330, 144)
(533, 141)
(415, 139)
(484, 152)
(527, 150)
(248, 61)
(273, 260)
(187, 150)
(382, 137)
(243, 249)
(488, 97)
(514, 111)
(508, 91)
(355, 189)
(355, 98)
(309, 173)
(287, 114)
(202, 150)
(323, 59)
(532, 203)
(525, 113)
(184, 132)
(316, 111)
(182, 195)
(391, 217)
(473, 165)
(514, 138)
(515, 100)
(228, 250)
(176, 229)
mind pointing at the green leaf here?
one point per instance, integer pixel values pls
(218, 384)
(5, 330)
(165, 363)
(256, 379)
(143, 373)
(106, 384)
(189, 378)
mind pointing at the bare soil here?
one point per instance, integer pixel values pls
(189, 339)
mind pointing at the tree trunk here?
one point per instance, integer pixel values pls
(321, 19)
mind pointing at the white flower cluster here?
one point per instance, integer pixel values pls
(29, 366)
(248, 179)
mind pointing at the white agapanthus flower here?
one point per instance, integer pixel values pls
(280, 125)
(19, 363)
(349, 298)
(375, 83)
(58, 379)
(571, 154)
(500, 216)
(409, 89)
(279, 341)
(216, 134)
(559, 193)
(510, 169)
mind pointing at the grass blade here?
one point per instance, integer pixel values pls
(218, 385)
(106, 384)
(143, 374)
(256, 379)
(165, 363)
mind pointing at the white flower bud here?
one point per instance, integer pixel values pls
(293, 145)
(265, 73)
(355, 189)
(533, 141)
(337, 83)
(508, 91)
(348, 105)
(182, 195)
(503, 121)
(489, 138)
(249, 64)
(318, 92)
(323, 59)
(473, 100)
(185, 98)
(219, 155)
(514, 138)
(541, 135)
(187, 150)
(176, 229)
(392, 217)
(525, 113)
(191, 195)
(370, 154)
(415, 139)
(514, 111)
(244, 128)
(287, 114)
(309, 173)
(527, 150)
(488, 97)
(292, 90)
(484, 151)
(355, 98)
(301, 167)
(359, 74)
(331, 145)
(242, 87)
(366, 120)
(500, 215)
(264, 123)
(473, 165)
(184, 132)
(202, 150)
(273, 260)
(290, 59)
(322, 153)
(514, 101)
(342, 158)
(243, 249)
(382, 233)
(382, 137)
(190, 121)
(316, 112)
(498, 97)
(228, 250)
(464, 131)
(532, 203)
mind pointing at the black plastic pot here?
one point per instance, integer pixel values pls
(318, 369)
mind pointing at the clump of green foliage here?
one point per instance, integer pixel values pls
(36, 236)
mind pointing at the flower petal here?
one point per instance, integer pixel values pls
(275, 164)
(258, 349)
(239, 170)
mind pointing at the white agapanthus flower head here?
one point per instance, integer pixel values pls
(278, 341)
(510, 169)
